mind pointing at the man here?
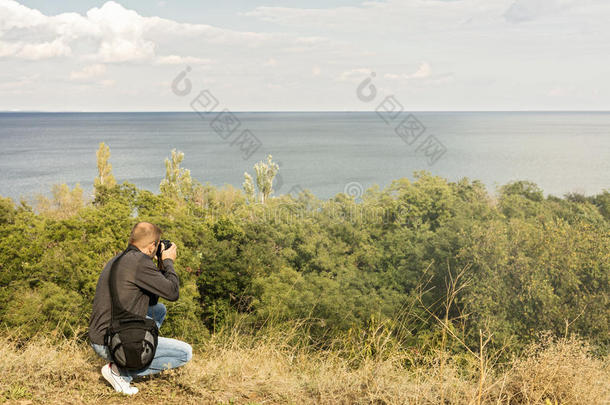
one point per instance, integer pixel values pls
(138, 283)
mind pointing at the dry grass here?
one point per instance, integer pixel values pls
(234, 368)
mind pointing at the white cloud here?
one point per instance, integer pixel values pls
(423, 72)
(354, 75)
(8, 49)
(388, 16)
(19, 83)
(14, 15)
(557, 91)
(34, 51)
(44, 50)
(272, 62)
(122, 33)
(88, 72)
(300, 16)
(182, 60)
(432, 51)
(113, 34)
(526, 10)
(441, 79)
(92, 75)
(125, 50)
(311, 40)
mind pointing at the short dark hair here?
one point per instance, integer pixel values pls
(144, 233)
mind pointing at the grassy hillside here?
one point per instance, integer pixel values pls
(232, 368)
(425, 291)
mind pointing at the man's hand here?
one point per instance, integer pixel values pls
(169, 253)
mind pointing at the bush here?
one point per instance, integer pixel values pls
(529, 263)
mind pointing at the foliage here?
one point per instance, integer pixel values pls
(527, 263)
(177, 183)
(265, 173)
(64, 204)
(104, 178)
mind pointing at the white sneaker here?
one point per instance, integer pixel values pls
(117, 382)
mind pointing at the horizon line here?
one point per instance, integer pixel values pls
(288, 111)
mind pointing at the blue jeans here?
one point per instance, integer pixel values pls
(171, 353)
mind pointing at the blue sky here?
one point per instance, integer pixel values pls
(124, 55)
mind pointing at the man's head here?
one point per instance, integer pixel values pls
(145, 236)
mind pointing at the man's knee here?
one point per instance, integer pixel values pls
(160, 309)
(157, 311)
(188, 352)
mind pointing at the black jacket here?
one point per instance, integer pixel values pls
(139, 283)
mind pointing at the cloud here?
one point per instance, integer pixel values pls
(272, 62)
(34, 51)
(19, 83)
(14, 15)
(423, 72)
(109, 34)
(528, 10)
(122, 33)
(300, 16)
(354, 75)
(556, 92)
(182, 60)
(8, 49)
(311, 40)
(411, 44)
(424, 75)
(118, 50)
(44, 50)
(388, 16)
(88, 72)
(92, 75)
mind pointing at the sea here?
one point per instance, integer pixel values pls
(324, 152)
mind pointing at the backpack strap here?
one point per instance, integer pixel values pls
(116, 309)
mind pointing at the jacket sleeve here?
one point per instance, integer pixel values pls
(165, 285)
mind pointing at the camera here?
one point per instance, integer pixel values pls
(165, 243)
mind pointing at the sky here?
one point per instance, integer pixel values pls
(315, 55)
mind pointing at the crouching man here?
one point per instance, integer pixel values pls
(139, 284)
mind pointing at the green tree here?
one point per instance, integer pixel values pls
(265, 173)
(105, 178)
(249, 188)
(7, 210)
(528, 263)
(177, 183)
(64, 204)
(602, 202)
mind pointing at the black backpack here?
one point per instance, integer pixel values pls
(131, 339)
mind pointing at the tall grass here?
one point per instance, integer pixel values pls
(280, 362)
(276, 365)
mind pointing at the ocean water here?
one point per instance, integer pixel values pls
(325, 152)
